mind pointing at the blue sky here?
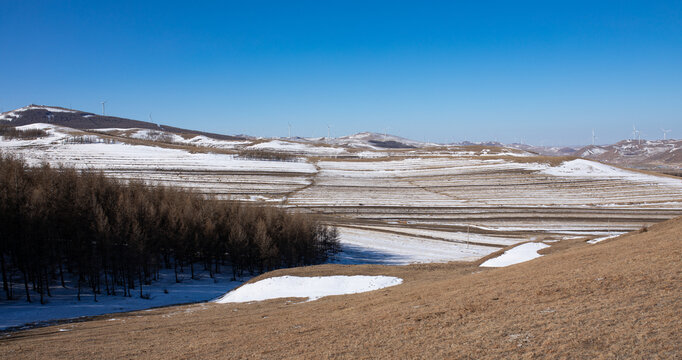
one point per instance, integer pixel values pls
(545, 72)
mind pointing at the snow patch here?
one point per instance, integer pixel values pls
(516, 255)
(312, 288)
(600, 239)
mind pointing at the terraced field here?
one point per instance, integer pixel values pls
(465, 202)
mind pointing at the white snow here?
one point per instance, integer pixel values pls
(518, 254)
(156, 135)
(361, 246)
(48, 108)
(454, 236)
(123, 156)
(593, 169)
(279, 145)
(11, 115)
(312, 288)
(600, 239)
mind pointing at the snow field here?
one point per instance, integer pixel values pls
(456, 236)
(587, 168)
(286, 146)
(360, 246)
(312, 288)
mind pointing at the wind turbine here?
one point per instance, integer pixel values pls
(103, 102)
(329, 132)
(636, 136)
(665, 132)
(593, 137)
(289, 130)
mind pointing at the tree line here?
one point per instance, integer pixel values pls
(113, 237)
(11, 132)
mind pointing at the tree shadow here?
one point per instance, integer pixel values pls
(357, 255)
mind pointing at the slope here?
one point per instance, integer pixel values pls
(616, 299)
(76, 119)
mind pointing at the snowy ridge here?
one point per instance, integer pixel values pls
(11, 115)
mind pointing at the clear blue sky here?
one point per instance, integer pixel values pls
(546, 71)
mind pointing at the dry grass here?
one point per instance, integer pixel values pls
(616, 299)
(551, 160)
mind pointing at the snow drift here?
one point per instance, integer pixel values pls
(312, 288)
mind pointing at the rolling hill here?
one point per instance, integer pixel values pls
(75, 119)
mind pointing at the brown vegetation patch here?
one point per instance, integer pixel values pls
(266, 155)
(10, 132)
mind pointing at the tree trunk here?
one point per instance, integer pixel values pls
(106, 282)
(28, 294)
(61, 274)
(40, 288)
(47, 284)
(5, 284)
(78, 296)
(175, 268)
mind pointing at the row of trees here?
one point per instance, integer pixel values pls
(11, 132)
(113, 237)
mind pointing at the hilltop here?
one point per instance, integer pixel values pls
(76, 119)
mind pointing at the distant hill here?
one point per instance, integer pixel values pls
(658, 155)
(84, 120)
(546, 150)
(650, 154)
(380, 141)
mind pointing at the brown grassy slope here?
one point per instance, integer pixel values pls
(617, 299)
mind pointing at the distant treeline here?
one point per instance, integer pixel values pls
(266, 155)
(112, 237)
(10, 132)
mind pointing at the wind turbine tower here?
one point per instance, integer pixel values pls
(289, 130)
(636, 134)
(103, 102)
(593, 137)
(665, 132)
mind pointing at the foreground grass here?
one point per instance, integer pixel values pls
(616, 299)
